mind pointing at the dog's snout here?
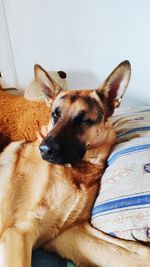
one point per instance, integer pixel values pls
(49, 149)
(62, 150)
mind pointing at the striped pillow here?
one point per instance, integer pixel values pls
(122, 208)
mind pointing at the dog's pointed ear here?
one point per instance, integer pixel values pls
(49, 87)
(113, 88)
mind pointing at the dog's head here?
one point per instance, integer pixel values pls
(78, 119)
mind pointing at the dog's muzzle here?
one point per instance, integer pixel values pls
(53, 152)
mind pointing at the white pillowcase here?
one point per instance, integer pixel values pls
(122, 208)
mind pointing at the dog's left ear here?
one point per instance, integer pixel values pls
(112, 90)
(49, 87)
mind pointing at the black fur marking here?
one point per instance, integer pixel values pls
(100, 95)
(80, 118)
(94, 107)
(73, 98)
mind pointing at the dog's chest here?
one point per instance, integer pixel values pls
(37, 197)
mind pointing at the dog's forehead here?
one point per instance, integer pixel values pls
(81, 98)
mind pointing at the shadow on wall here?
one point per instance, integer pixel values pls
(82, 80)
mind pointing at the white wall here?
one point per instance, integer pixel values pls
(86, 38)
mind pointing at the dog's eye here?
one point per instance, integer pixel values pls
(87, 121)
(82, 119)
(56, 114)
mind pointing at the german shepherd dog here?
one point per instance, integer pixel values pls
(48, 187)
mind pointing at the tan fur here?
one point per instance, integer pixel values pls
(49, 205)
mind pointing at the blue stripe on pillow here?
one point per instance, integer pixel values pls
(121, 210)
(139, 129)
(127, 196)
(126, 151)
(122, 203)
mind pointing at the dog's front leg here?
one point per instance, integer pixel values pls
(15, 249)
(83, 247)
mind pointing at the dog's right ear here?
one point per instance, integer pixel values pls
(113, 88)
(49, 87)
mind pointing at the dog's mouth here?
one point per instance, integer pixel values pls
(64, 157)
(60, 160)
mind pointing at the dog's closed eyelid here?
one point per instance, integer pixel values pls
(82, 118)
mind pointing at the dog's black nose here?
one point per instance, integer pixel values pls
(44, 148)
(49, 149)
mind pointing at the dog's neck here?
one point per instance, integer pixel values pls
(98, 155)
(93, 164)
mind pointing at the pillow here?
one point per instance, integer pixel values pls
(122, 208)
